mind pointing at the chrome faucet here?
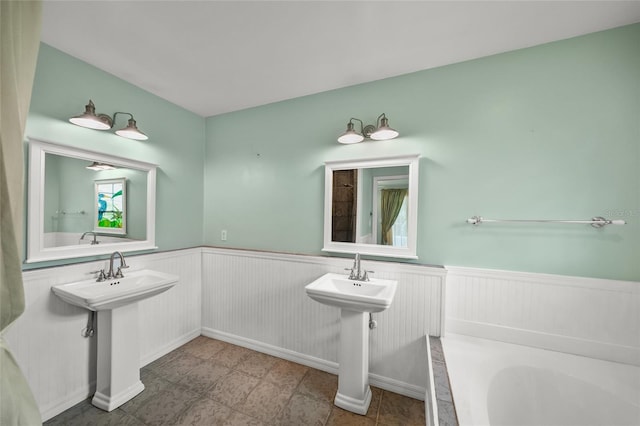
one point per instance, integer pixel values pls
(123, 265)
(95, 241)
(356, 272)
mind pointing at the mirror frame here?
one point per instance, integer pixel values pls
(36, 252)
(408, 252)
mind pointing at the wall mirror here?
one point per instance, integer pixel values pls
(84, 203)
(371, 206)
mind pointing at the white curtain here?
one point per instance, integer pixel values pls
(19, 41)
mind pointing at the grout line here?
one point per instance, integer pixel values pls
(377, 420)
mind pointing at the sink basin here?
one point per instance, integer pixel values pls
(338, 290)
(115, 292)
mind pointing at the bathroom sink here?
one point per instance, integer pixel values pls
(338, 290)
(115, 292)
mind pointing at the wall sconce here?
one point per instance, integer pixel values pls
(95, 121)
(380, 132)
(97, 166)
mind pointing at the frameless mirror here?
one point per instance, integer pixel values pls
(371, 206)
(84, 203)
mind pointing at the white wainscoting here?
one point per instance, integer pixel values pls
(59, 363)
(597, 318)
(253, 299)
(257, 300)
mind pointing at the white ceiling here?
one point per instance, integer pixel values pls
(212, 57)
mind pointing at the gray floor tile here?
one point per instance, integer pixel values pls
(265, 401)
(210, 382)
(319, 385)
(304, 410)
(233, 389)
(166, 406)
(204, 412)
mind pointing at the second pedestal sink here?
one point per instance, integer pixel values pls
(355, 298)
(116, 301)
(338, 290)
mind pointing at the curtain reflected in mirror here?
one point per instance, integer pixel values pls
(391, 202)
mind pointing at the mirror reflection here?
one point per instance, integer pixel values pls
(82, 205)
(371, 206)
(85, 203)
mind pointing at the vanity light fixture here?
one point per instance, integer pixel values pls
(100, 166)
(95, 121)
(380, 132)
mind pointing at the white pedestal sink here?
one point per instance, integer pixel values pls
(356, 299)
(116, 301)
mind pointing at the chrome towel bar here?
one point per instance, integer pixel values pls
(596, 222)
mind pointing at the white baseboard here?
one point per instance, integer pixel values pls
(68, 401)
(554, 342)
(381, 382)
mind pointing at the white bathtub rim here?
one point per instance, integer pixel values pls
(473, 362)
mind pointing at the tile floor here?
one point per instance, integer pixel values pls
(210, 382)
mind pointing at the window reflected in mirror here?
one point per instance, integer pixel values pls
(110, 202)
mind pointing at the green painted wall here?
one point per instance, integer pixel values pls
(63, 85)
(551, 131)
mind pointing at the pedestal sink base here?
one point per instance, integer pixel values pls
(111, 402)
(118, 376)
(354, 393)
(358, 406)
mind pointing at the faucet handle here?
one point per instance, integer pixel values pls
(352, 273)
(101, 275)
(119, 273)
(365, 275)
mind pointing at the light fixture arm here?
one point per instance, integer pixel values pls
(350, 125)
(123, 113)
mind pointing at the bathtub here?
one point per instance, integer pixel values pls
(496, 383)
